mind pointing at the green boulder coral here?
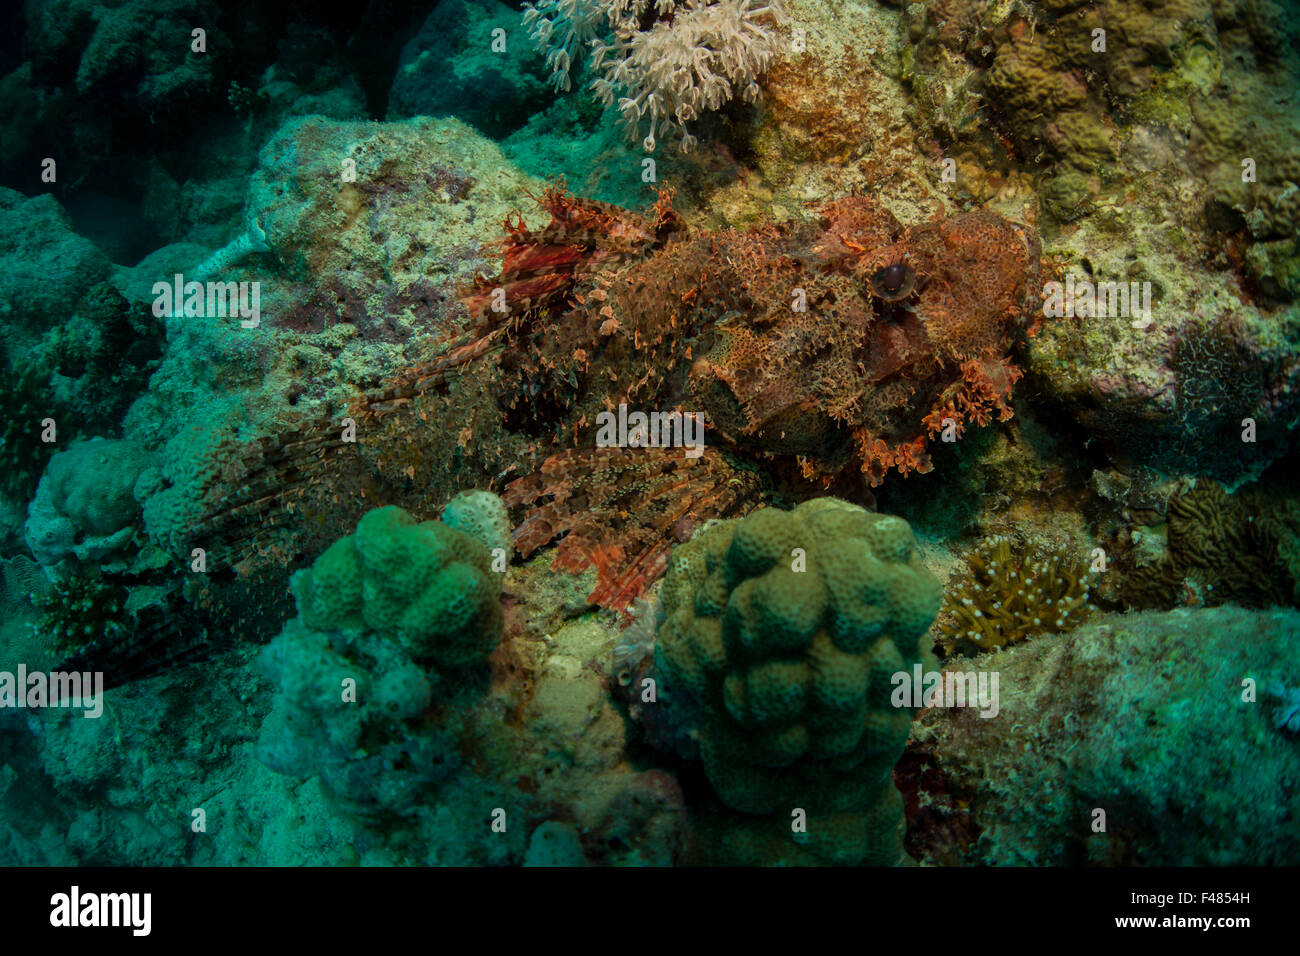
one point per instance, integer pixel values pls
(787, 628)
(424, 584)
(387, 616)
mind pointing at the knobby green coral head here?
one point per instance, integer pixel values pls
(427, 585)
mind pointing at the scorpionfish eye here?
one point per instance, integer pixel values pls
(894, 282)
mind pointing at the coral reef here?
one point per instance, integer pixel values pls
(114, 625)
(1226, 372)
(1097, 93)
(353, 712)
(600, 607)
(554, 844)
(102, 357)
(538, 738)
(89, 800)
(24, 579)
(1176, 396)
(362, 238)
(249, 417)
(77, 351)
(1015, 590)
(785, 630)
(133, 49)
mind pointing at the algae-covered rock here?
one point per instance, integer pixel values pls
(1174, 724)
(380, 215)
(358, 233)
(1117, 103)
(48, 267)
(786, 628)
(1205, 383)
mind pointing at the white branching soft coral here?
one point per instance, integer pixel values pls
(563, 27)
(670, 60)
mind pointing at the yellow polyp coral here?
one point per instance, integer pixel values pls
(1014, 591)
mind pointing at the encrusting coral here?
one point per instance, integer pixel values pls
(482, 515)
(85, 505)
(785, 630)
(1014, 592)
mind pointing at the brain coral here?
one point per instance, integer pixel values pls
(785, 628)
(1241, 548)
(426, 585)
